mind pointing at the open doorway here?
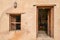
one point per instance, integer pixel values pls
(45, 20)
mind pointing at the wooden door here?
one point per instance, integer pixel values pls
(49, 23)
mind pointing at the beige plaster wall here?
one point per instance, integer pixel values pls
(28, 25)
(28, 20)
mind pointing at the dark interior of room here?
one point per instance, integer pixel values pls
(42, 19)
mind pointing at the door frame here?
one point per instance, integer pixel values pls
(51, 19)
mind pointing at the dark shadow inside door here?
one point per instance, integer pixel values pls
(43, 19)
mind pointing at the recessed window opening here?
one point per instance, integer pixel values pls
(15, 22)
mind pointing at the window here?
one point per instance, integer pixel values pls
(15, 22)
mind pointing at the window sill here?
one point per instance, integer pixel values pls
(15, 30)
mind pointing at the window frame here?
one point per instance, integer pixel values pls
(10, 28)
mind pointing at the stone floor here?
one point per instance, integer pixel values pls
(43, 36)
